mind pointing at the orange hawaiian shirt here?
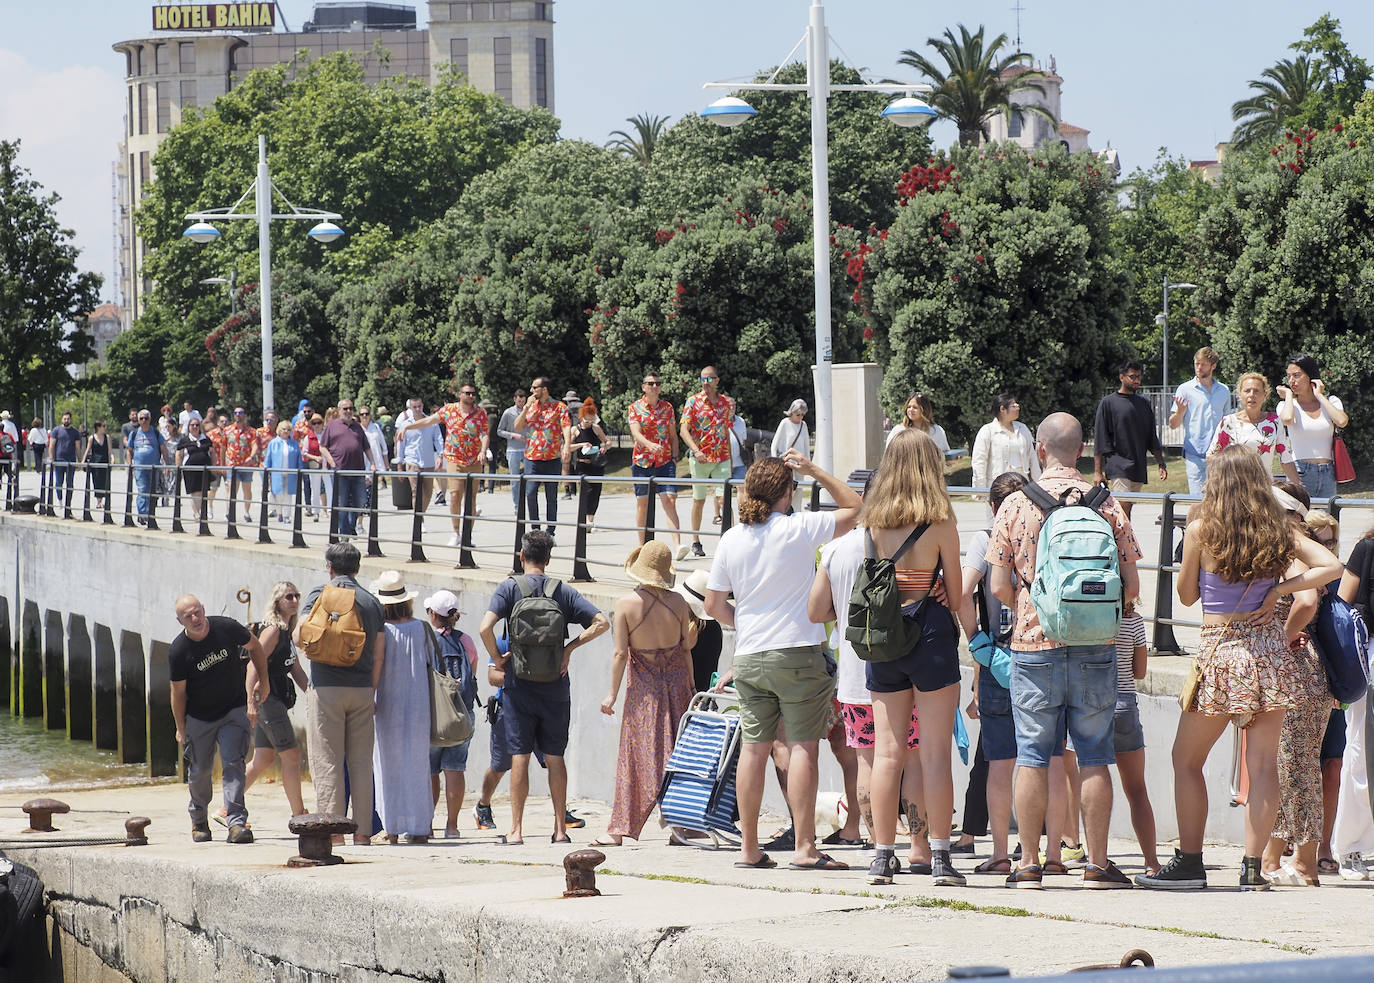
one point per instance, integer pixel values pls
(463, 443)
(240, 446)
(265, 436)
(1016, 535)
(709, 423)
(657, 427)
(544, 430)
(216, 436)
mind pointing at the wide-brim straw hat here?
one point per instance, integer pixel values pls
(390, 588)
(651, 565)
(693, 591)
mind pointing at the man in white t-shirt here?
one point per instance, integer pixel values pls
(768, 561)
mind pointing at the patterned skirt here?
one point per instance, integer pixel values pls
(1245, 670)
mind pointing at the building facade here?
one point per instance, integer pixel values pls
(505, 48)
(1031, 131)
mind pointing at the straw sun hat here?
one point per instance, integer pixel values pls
(651, 565)
(390, 588)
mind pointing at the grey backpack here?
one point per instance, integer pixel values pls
(538, 632)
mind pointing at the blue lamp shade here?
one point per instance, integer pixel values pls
(728, 111)
(201, 232)
(908, 112)
(326, 232)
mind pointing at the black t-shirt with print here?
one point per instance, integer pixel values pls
(214, 669)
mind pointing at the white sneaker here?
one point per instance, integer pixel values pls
(683, 550)
(1354, 867)
(454, 540)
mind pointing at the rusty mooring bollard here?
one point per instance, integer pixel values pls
(1135, 959)
(136, 831)
(580, 868)
(315, 831)
(40, 812)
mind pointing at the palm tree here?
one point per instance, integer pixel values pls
(975, 83)
(1279, 96)
(641, 146)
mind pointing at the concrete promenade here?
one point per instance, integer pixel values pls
(470, 909)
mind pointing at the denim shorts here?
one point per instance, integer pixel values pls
(994, 718)
(453, 758)
(1127, 734)
(929, 667)
(1318, 479)
(274, 728)
(1075, 684)
(666, 470)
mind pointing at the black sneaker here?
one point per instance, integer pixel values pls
(482, 813)
(883, 867)
(1251, 878)
(240, 834)
(785, 840)
(698, 550)
(943, 871)
(1183, 873)
(200, 833)
(570, 819)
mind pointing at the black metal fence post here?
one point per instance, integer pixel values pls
(651, 510)
(465, 560)
(263, 535)
(297, 507)
(109, 493)
(334, 508)
(1164, 640)
(44, 488)
(727, 508)
(176, 500)
(580, 572)
(232, 516)
(419, 501)
(86, 500)
(373, 489)
(517, 565)
(128, 491)
(203, 494)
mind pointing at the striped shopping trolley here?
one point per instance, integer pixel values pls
(698, 790)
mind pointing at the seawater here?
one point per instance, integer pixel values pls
(33, 759)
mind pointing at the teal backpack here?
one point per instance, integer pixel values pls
(1077, 586)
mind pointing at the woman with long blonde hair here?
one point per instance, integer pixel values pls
(1236, 554)
(908, 516)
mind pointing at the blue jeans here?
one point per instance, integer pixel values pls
(63, 472)
(145, 479)
(1318, 479)
(1195, 466)
(550, 490)
(515, 460)
(1076, 683)
(350, 498)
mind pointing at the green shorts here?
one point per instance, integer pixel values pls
(701, 469)
(789, 685)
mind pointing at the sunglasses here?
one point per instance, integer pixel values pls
(468, 392)
(291, 597)
(239, 413)
(710, 378)
(654, 383)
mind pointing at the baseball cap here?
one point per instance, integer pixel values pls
(443, 603)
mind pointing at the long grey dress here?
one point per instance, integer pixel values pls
(400, 757)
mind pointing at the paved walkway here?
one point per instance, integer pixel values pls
(830, 925)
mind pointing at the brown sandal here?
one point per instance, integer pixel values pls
(999, 865)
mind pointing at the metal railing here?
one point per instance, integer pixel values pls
(190, 512)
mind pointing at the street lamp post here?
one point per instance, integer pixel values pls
(1163, 321)
(324, 231)
(906, 112)
(231, 281)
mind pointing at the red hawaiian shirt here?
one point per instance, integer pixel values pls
(240, 447)
(463, 445)
(216, 436)
(657, 427)
(709, 423)
(265, 435)
(544, 430)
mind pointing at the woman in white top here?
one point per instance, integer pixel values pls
(1312, 419)
(1004, 444)
(918, 414)
(792, 433)
(1251, 427)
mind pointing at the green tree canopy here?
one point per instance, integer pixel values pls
(44, 300)
(977, 81)
(639, 147)
(997, 276)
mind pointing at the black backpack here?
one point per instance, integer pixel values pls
(877, 629)
(538, 632)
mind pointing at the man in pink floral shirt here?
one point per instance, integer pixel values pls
(241, 452)
(547, 428)
(466, 435)
(1050, 681)
(706, 431)
(655, 455)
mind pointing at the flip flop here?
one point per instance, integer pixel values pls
(765, 862)
(823, 862)
(502, 841)
(835, 839)
(1002, 865)
(222, 820)
(556, 839)
(600, 842)
(1052, 867)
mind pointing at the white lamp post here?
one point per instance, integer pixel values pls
(324, 231)
(731, 111)
(1163, 321)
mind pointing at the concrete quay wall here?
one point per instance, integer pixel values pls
(86, 612)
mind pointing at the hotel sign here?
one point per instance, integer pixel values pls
(213, 16)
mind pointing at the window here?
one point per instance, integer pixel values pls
(128, 64)
(187, 57)
(500, 11)
(162, 59)
(188, 95)
(132, 117)
(458, 11)
(1013, 125)
(138, 60)
(143, 88)
(541, 72)
(501, 62)
(164, 106)
(481, 10)
(145, 174)
(541, 11)
(458, 55)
